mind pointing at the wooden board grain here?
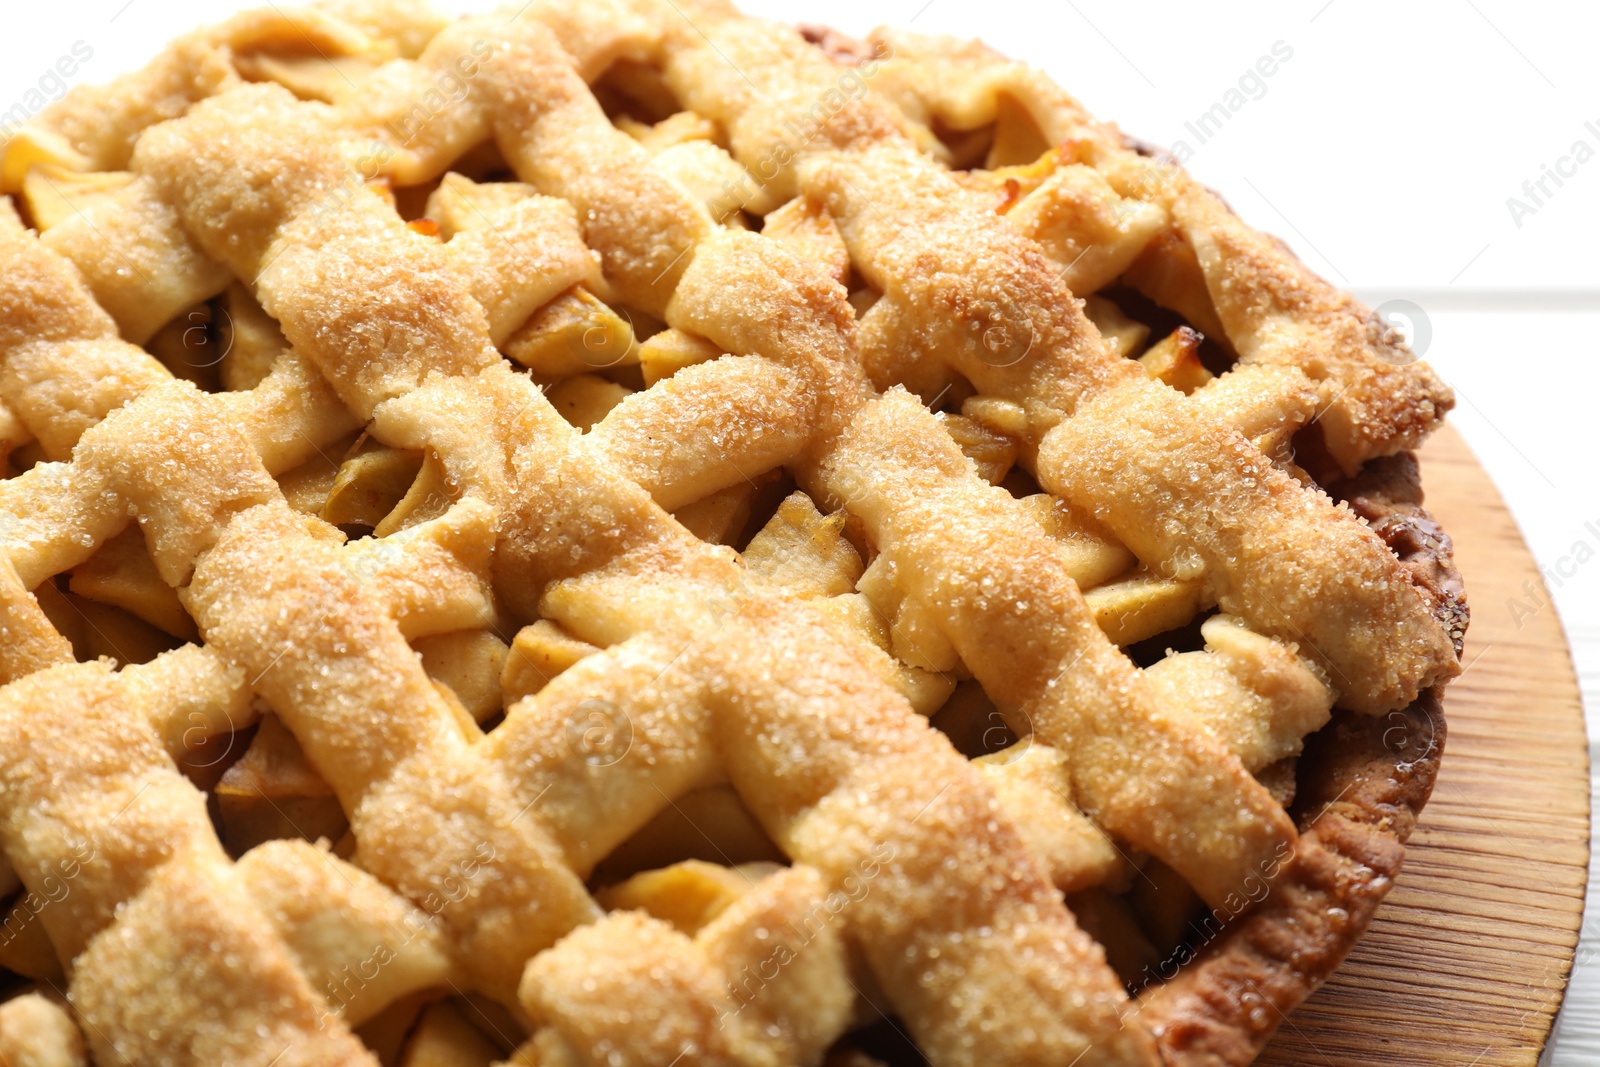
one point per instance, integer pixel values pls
(1467, 960)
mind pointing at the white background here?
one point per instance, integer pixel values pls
(1384, 151)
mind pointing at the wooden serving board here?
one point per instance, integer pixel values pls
(1467, 960)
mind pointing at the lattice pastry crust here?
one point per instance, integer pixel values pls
(620, 533)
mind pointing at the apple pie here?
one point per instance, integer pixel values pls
(619, 533)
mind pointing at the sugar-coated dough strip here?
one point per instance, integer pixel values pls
(200, 1013)
(1021, 625)
(498, 435)
(967, 85)
(185, 481)
(558, 139)
(772, 963)
(405, 25)
(37, 1032)
(429, 110)
(592, 1013)
(300, 238)
(989, 303)
(56, 516)
(1035, 788)
(62, 365)
(220, 621)
(59, 403)
(1278, 554)
(772, 91)
(127, 837)
(749, 691)
(1274, 310)
(361, 946)
(140, 265)
(1376, 399)
(223, 477)
(784, 308)
(1081, 223)
(190, 694)
(425, 809)
(567, 744)
(30, 643)
(813, 995)
(95, 127)
(434, 576)
(1366, 797)
(291, 415)
(517, 250)
(1256, 696)
(106, 863)
(772, 408)
(404, 103)
(593, 33)
(878, 786)
(65, 369)
(1258, 399)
